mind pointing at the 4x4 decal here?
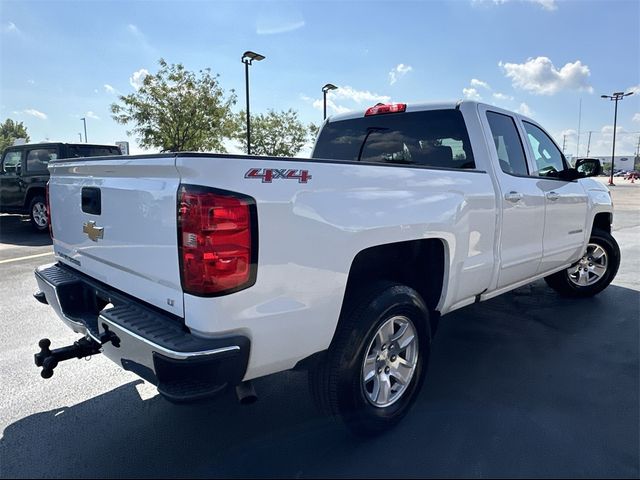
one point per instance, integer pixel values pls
(267, 175)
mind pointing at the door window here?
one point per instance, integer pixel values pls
(508, 144)
(548, 157)
(38, 159)
(11, 161)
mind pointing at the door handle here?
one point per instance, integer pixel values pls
(513, 197)
(553, 196)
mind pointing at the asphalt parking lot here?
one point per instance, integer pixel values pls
(525, 385)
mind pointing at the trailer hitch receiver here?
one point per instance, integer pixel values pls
(85, 347)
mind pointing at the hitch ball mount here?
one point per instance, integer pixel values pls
(85, 347)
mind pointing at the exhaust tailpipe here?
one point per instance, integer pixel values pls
(246, 393)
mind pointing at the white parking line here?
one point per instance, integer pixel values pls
(17, 259)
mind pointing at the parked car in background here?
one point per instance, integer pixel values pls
(24, 175)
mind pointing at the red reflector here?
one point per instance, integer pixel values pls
(381, 108)
(216, 240)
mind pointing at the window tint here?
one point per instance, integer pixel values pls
(38, 159)
(548, 157)
(10, 161)
(435, 138)
(76, 151)
(508, 145)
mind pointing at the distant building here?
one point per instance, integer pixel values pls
(621, 162)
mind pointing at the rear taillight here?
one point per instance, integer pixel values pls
(217, 240)
(385, 108)
(48, 204)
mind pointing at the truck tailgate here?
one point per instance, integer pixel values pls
(115, 220)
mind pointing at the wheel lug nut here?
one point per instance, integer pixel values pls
(384, 347)
(379, 370)
(591, 264)
(393, 358)
(386, 370)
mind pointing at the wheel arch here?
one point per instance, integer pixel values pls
(419, 264)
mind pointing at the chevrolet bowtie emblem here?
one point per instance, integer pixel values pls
(93, 232)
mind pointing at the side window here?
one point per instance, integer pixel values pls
(10, 161)
(508, 144)
(38, 159)
(549, 159)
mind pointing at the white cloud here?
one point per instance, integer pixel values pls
(359, 96)
(635, 89)
(273, 29)
(10, 27)
(540, 76)
(134, 30)
(35, 113)
(109, 89)
(548, 5)
(471, 94)
(636, 118)
(524, 109)
(337, 98)
(398, 72)
(479, 83)
(502, 96)
(137, 78)
(31, 81)
(92, 115)
(331, 106)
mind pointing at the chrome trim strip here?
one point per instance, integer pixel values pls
(166, 351)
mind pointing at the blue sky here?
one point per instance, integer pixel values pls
(62, 60)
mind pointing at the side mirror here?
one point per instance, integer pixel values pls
(590, 167)
(18, 169)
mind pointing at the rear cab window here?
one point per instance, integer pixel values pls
(78, 151)
(430, 138)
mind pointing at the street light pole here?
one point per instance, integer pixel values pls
(325, 89)
(85, 128)
(589, 143)
(564, 142)
(80, 135)
(247, 58)
(614, 98)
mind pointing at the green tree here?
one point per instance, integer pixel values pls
(10, 131)
(177, 110)
(277, 134)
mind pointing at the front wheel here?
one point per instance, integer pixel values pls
(374, 368)
(39, 214)
(593, 272)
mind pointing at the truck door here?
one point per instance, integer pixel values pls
(11, 195)
(565, 202)
(521, 203)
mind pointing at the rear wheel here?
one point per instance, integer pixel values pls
(593, 272)
(374, 367)
(38, 214)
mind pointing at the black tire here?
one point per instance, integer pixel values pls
(38, 222)
(337, 382)
(562, 283)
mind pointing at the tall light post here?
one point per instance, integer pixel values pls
(85, 128)
(248, 58)
(325, 89)
(614, 98)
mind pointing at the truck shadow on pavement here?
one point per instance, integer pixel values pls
(527, 384)
(17, 230)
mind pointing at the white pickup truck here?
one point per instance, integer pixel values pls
(203, 271)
